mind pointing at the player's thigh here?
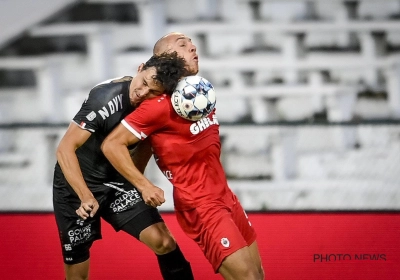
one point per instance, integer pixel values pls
(158, 238)
(256, 257)
(239, 265)
(243, 222)
(150, 229)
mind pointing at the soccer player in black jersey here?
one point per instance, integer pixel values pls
(87, 188)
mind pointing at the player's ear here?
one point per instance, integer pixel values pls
(140, 67)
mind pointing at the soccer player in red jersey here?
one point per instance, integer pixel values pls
(189, 154)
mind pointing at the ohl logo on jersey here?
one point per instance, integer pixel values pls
(203, 124)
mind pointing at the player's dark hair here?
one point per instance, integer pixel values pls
(170, 68)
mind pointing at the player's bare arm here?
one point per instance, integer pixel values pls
(141, 155)
(115, 148)
(66, 157)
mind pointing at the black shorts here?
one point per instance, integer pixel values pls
(119, 209)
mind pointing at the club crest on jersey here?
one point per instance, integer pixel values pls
(203, 124)
(225, 242)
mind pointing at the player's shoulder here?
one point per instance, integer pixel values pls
(155, 108)
(160, 102)
(153, 111)
(105, 90)
(116, 83)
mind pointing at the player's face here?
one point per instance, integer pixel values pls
(144, 86)
(185, 48)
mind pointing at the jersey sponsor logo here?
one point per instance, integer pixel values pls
(79, 235)
(91, 116)
(113, 106)
(125, 200)
(203, 124)
(225, 242)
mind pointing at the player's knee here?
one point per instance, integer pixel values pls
(82, 276)
(159, 240)
(251, 272)
(78, 271)
(245, 269)
(255, 272)
(165, 244)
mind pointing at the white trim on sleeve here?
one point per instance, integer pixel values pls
(140, 135)
(83, 126)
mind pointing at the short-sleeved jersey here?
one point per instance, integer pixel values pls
(188, 153)
(104, 108)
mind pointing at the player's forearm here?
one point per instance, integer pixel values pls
(141, 155)
(119, 156)
(70, 166)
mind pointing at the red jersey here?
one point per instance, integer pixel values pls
(187, 152)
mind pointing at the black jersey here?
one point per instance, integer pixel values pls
(104, 108)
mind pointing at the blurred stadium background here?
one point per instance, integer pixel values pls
(308, 92)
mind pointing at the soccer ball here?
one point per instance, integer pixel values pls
(193, 98)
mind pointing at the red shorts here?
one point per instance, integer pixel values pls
(220, 228)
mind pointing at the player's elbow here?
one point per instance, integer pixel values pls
(58, 153)
(106, 147)
(61, 152)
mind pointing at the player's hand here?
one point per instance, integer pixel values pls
(153, 196)
(88, 208)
